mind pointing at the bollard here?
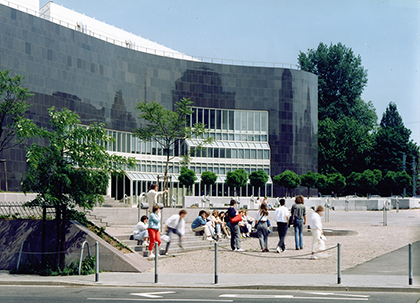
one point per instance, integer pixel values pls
(216, 276)
(410, 264)
(156, 262)
(385, 215)
(338, 263)
(398, 205)
(96, 262)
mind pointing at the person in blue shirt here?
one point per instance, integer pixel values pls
(200, 224)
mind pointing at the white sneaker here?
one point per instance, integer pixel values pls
(239, 249)
(210, 238)
(151, 255)
(278, 249)
(313, 257)
(145, 243)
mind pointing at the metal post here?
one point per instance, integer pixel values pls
(96, 262)
(385, 214)
(398, 205)
(338, 263)
(216, 276)
(156, 262)
(410, 264)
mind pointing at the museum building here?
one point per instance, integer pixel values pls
(262, 116)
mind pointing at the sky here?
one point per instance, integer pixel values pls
(386, 34)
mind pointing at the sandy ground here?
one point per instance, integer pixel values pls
(369, 242)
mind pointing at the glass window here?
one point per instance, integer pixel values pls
(244, 137)
(250, 121)
(243, 120)
(247, 153)
(216, 170)
(231, 137)
(253, 154)
(218, 136)
(154, 151)
(264, 121)
(206, 117)
(225, 120)
(225, 136)
(260, 154)
(257, 122)
(154, 168)
(218, 119)
(176, 169)
(264, 138)
(148, 168)
(257, 138)
(204, 152)
(228, 153)
(159, 168)
(222, 170)
(231, 119)
(237, 120)
(200, 115)
(119, 141)
(210, 152)
(198, 170)
(247, 170)
(237, 137)
(216, 153)
(212, 118)
(250, 137)
(234, 153)
(222, 153)
(133, 145)
(240, 154)
(148, 148)
(194, 116)
(128, 143)
(266, 154)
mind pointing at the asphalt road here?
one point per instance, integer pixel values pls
(38, 294)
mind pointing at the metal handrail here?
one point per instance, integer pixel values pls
(81, 254)
(20, 252)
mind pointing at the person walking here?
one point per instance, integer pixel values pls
(151, 194)
(153, 229)
(316, 230)
(235, 238)
(281, 216)
(175, 224)
(299, 214)
(262, 230)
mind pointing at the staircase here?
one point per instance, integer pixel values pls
(119, 222)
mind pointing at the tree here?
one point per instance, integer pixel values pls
(309, 180)
(288, 179)
(321, 182)
(208, 178)
(236, 179)
(14, 127)
(403, 180)
(169, 127)
(258, 178)
(369, 180)
(392, 140)
(343, 146)
(187, 178)
(341, 79)
(73, 169)
(336, 182)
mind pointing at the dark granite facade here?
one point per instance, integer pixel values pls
(103, 82)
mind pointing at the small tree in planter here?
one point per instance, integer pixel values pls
(258, 179)
(187, 178)
(208, 178)
(308, 180)
(236, 179)
(288, 179)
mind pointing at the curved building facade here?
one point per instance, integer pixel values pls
(261, 117)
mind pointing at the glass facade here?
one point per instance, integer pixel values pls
(261, 117)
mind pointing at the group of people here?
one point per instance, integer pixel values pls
(233, 224)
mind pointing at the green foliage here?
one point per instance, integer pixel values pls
(336, 182)
(343, 146)
(341, 80)
(168, 127)
(288, 179)
(33, 266)
(78, 216)
(309, 180)
(258, 178)
(391, 141)
(236, 179)
(187, 177)
(208, 178)
(14, 127)
(74, 168)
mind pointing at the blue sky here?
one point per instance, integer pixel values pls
(386, 34)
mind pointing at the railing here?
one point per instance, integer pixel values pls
(17, 209)
(175, 55)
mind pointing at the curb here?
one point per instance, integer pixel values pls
(350, 288)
